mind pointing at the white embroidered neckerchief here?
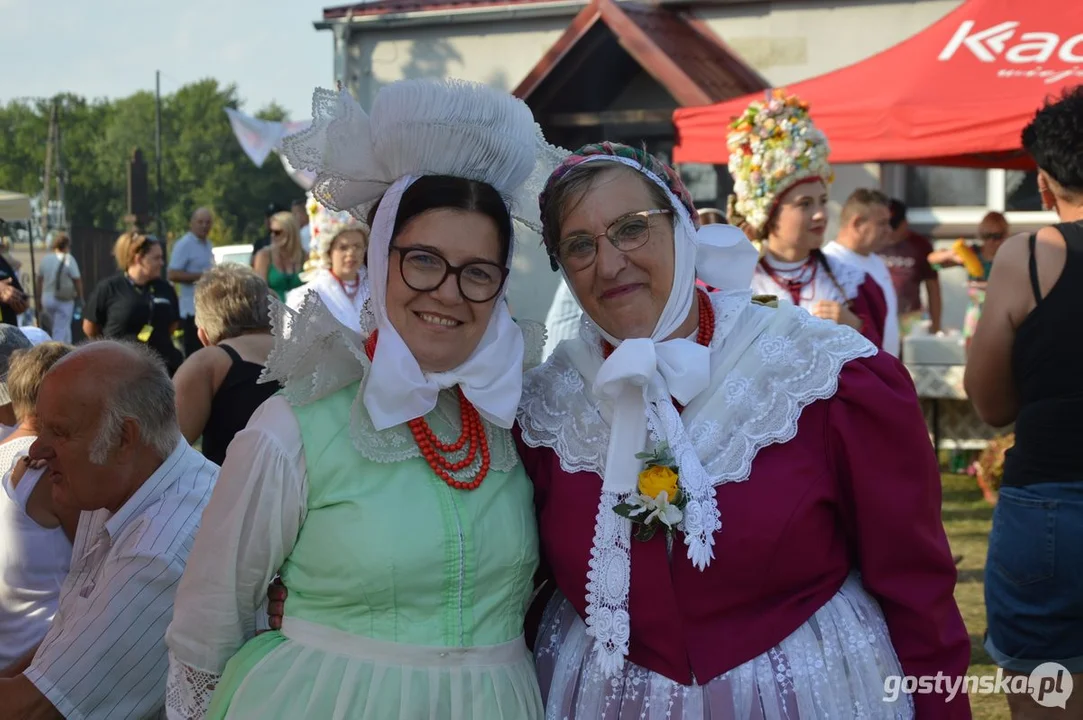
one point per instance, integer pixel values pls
(346, 310)
(849, 277)
(766, 366)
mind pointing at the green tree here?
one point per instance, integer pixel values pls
(202, 163)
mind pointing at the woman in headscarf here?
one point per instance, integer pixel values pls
(778, 160)
(337, 259)
(738, 504)
(384, 480)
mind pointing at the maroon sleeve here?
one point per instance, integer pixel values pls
(890, 485)
(876, 303)
(870, 305)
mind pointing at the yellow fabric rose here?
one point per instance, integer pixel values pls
(656, 479)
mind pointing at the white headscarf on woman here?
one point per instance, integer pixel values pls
(635, 388)
(418, 128)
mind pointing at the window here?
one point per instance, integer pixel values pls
(701, 181)
(1021, 191)
(946, 187)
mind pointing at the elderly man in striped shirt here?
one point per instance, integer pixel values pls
(112, 448)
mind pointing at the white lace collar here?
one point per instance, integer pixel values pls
(767, 365)
(315, 356)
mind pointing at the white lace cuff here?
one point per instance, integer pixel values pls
(188, 691)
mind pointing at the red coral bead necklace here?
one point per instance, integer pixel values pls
(434, 450)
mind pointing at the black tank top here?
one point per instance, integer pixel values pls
(237, 398)
(1047, 347)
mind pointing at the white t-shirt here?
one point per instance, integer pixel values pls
(875, 267)
(48, 270)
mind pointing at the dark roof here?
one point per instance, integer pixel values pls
(696, 50)
(391, 7)
(679, 51)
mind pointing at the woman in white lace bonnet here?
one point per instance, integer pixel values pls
(738, 505)
(384, 481)
(336, 267)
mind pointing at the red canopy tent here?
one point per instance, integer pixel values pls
(959, 93)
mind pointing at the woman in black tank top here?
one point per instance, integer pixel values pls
(1023, 368)
(218, 387)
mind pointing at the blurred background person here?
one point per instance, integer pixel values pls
(136, 304)
(299, 208)
(192, 256)
(281, 262)
(336, 268)
(58, 286)
(711, 216)
(864, 229)
(218, 387)
(977, 260)
(36, 532)
(1022, 369)
(265, 240)
(907, 259)
(12, 340)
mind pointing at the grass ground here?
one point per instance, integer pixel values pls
(967, 519)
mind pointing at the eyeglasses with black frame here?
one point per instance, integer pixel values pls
(626, 233)
(425, 269)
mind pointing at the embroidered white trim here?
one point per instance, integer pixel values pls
(767, 365)
(317, 356)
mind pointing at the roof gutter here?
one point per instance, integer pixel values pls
(558, 8)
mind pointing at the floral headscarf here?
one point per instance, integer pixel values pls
(773, 146)
(645, 160)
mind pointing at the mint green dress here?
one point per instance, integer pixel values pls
(406, 597)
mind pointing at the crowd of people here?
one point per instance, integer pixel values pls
(715, 498)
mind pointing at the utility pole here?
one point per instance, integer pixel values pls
(46, 193)
(158, 157)
(47, 182)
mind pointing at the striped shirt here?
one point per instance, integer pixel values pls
(105, 654)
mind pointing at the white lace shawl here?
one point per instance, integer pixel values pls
(346, 310)
(767, 365)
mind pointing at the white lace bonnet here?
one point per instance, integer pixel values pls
(417, 128)
(423, 127)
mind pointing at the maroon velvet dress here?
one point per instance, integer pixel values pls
(831, 570)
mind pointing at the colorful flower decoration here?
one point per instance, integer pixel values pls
(773, 146)
(645, 160)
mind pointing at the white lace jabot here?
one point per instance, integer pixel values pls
(766, 366)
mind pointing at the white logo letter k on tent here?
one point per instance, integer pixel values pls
(980, 43)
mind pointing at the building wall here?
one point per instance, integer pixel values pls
(499, 54)
(791, 41)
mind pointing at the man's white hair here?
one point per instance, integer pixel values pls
(143, 392)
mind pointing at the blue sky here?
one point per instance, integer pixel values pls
(111, 48)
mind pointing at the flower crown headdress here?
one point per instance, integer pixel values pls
(326, 225)
(773, 146)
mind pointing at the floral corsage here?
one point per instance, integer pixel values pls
(658, 502)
